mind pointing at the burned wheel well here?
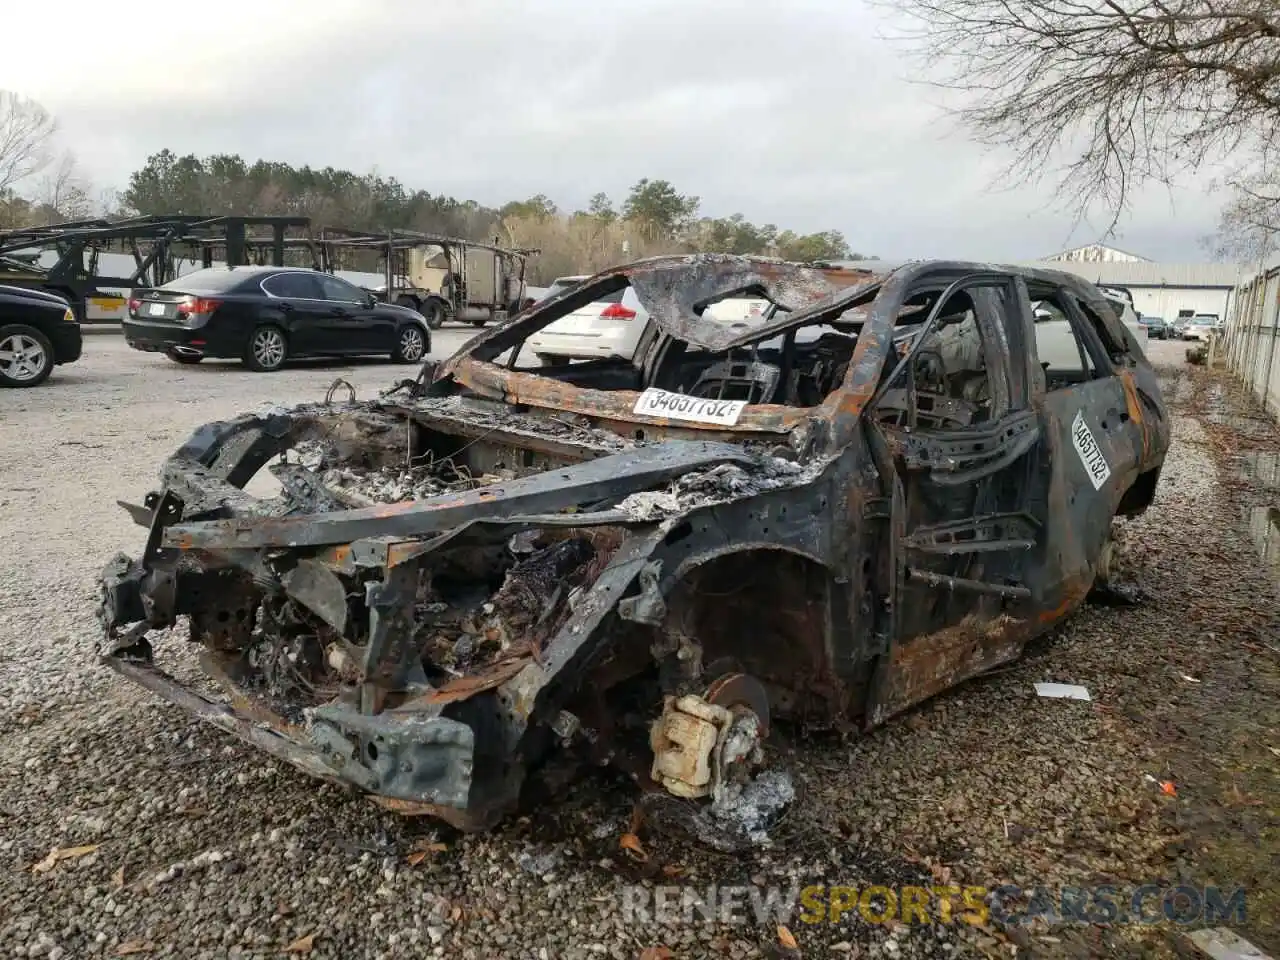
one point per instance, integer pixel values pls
(1140, 494)
(765, 611)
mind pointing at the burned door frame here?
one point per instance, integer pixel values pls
(1102, 412)
(934, 558)
(1095, 358)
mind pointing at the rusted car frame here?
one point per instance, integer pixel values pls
(886, 494)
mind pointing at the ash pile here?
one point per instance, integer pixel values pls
(317, 479)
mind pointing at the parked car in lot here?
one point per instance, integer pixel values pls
(608, 327)
(1200, 327)
(38, 331)
(614, 325)
(1157, 329)
(891, 486)
(267, 315)
(1056, 344)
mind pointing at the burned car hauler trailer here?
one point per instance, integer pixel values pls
(92, 257)
(443, 278)
(839, 511)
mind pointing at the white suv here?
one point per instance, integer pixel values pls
(609, 327)
(612, 326)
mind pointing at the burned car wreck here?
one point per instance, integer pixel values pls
(867, 495)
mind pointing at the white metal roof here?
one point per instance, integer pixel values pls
(1138, 274)
(1098, 252)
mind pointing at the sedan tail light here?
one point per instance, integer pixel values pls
(616, 311)
(198, 305)
(134, 304)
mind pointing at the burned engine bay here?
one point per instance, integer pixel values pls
(492, 576)
(431, 643)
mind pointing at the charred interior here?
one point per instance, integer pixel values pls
(797, 369)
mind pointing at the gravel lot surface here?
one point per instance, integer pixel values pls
(205, 848)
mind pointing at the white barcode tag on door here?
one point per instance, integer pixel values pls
(1095, 464)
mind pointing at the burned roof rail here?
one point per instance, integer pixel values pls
(946, 271)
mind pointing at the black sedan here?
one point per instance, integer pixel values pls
(266, 315)
(38, 331)
(1157, 329)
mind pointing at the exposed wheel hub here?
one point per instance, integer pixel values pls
(703, 745)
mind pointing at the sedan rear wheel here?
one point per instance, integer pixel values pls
(267, 349)
(26, 356)
(411, 346)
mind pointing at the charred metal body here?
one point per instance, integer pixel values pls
(498, 565)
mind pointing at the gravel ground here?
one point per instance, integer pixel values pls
(204, 848)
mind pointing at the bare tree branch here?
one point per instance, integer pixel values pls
(1126, 92)
(1249, 225)
(64, 194)
(25, 131)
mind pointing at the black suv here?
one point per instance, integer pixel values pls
(265, 315)
(38, 331)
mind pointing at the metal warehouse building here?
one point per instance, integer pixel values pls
(1159, 289)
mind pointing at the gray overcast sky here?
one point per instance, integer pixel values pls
(798, 114)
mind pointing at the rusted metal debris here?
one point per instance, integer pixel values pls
(872, 494)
